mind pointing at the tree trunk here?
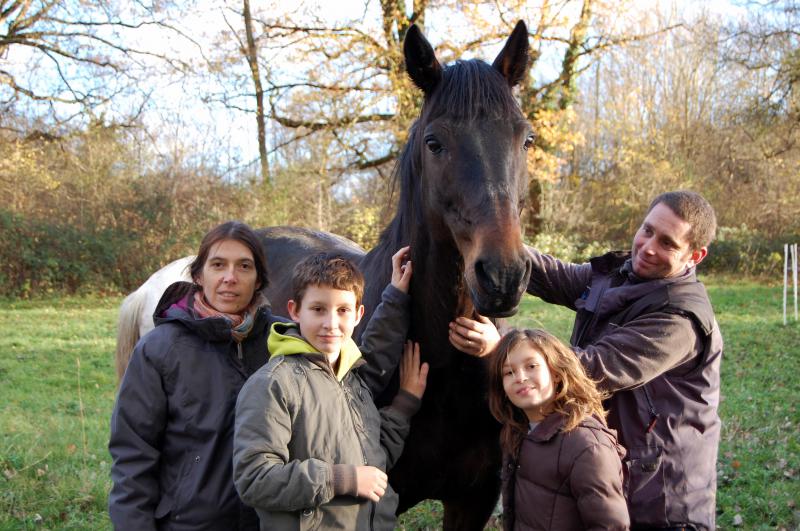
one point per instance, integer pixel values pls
(252, 61)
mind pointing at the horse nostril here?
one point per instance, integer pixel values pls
(487, 278)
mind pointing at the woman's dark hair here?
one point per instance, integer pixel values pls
(240, 232)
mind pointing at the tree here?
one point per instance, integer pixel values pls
(63, 59)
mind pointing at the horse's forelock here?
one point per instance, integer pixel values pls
(470, 90)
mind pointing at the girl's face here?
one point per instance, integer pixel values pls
(229, 277)
(528, 382)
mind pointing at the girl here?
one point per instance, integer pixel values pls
(562, 467)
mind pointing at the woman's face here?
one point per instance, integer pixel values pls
(229, 277)
(528, 382)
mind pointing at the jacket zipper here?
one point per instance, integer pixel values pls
(239, 350)
(360, 446)
(653, 414)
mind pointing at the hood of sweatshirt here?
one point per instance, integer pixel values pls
(285, 340)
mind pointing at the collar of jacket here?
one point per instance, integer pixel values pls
(614, 286)
(212, 328)
(285, 340)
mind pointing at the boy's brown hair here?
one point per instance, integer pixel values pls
(576, 395)
(328, 270)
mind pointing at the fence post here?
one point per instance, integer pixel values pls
(785, 278)
(794, 278)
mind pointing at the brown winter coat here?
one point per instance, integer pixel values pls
(565, 480)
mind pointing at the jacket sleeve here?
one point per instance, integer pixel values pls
(638, 351)
(555, 281)
(382, 340)
(596, 485)
(396, 423)
(263, 473)
(137, 425)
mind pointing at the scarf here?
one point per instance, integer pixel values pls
(241, 325)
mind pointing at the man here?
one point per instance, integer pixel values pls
(645, 329)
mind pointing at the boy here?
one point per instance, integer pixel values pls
(310, 448)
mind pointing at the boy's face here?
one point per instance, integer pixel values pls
(327, 317)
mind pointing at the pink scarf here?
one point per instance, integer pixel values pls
(241, 325)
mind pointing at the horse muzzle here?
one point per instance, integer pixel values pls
(497, 287)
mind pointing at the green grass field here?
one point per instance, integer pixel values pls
(57, 388)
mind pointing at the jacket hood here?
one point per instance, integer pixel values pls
(175, 306)
(285, 340)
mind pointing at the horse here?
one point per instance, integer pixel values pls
(462, 179)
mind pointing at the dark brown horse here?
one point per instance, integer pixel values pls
(462, 179)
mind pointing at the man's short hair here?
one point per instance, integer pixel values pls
(327, 270)
(692, 208)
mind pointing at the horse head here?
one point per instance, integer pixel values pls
(468, 151)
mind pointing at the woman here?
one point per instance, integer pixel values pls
(172, 424)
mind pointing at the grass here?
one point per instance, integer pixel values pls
(57, 389)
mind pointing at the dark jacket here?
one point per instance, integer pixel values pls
(172, 425)
(565, 481)
(656, 346)
(302, 429)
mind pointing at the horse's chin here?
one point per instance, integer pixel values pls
(493, 307)
(500, 313)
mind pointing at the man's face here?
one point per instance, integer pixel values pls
(327, 317)
(661, 246)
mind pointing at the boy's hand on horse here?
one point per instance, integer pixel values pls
(401, 272)
(476, 338)
(371, 482)
(413, 375)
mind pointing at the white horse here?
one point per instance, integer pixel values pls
(136, 311)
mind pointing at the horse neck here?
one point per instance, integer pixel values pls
(438, 291)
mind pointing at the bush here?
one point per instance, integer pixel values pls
(570, 248)
(745, 251)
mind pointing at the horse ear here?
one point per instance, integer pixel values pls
(421, 64)
(512, 61)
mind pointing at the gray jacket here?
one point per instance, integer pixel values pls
(301, 431)
(657, 347)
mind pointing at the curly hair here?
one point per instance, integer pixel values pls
(576, 395)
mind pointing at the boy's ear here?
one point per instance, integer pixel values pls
(293, 308)
(359, 313)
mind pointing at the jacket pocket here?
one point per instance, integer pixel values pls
(644, 481)
(185, 486)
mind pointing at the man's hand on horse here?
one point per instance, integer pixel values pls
(476, 338)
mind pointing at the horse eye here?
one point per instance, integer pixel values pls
(528, 142)
(433, 145)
